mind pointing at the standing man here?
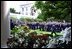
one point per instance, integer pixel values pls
(53, 30)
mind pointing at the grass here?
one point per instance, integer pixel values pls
(45, 32)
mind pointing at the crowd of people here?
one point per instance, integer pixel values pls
(52, 27)
(48, 26)
(44, 26)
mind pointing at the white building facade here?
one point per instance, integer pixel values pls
(27, 10)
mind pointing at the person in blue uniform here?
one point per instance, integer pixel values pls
(41, 27)
(45, 27)
(33, 26)
(68, 25)
(56, 25)
(11, 24)
(36, 26)
(50, 26)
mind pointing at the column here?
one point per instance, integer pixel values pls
(5, 24)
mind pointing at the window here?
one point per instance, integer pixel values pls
(22, 9)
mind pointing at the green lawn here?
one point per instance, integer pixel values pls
(45, 32)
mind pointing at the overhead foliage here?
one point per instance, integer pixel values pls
(57, 9)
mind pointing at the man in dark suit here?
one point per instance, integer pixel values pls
(53, 30)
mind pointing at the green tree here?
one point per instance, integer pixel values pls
(58, 9)
(12, 10)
